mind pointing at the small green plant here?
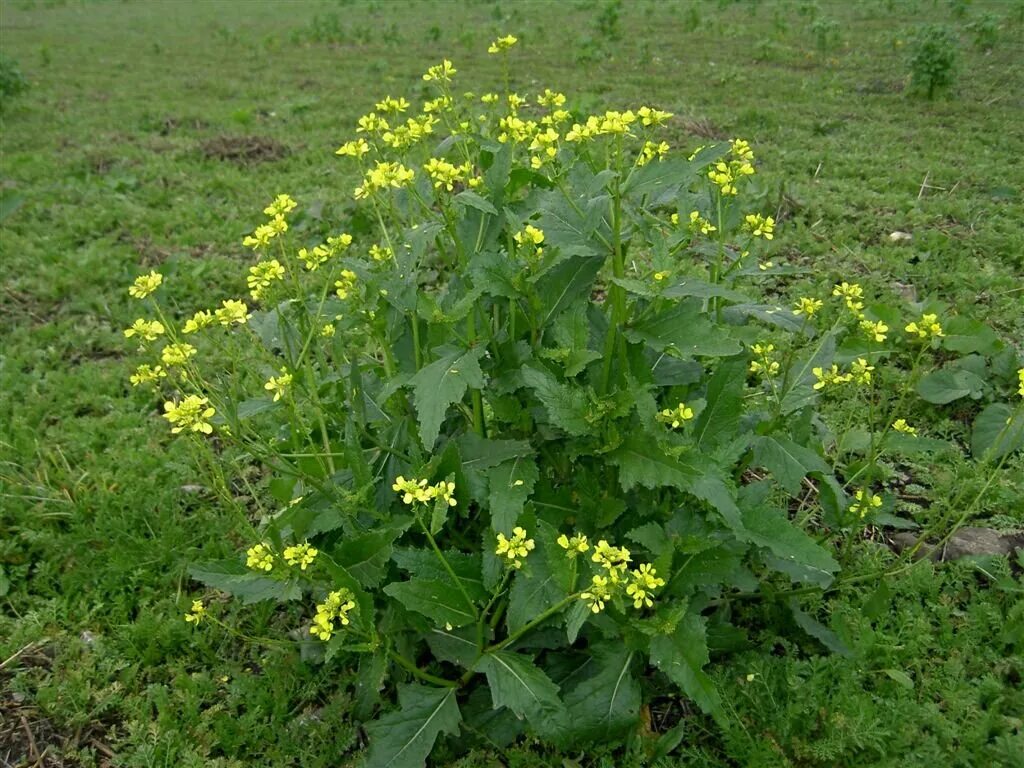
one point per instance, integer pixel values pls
(826, 34)
(933, 60)
(608, 20)
(12, 81)
(985, 31)
(529, 426)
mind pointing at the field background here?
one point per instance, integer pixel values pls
(154, 133)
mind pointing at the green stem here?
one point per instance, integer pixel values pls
(417, 672)
(533, 624)
(447, 566)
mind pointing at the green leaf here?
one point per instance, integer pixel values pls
(720, 418)
(901, 677)
(457, 646)
(517, 683)
(787, 461)
(571, 332)
(606, 704)
(249, 586)
(366, 555)
(994, 435)
(535, 589)
(771, 529)
(578, 224)
(817, 630)
(405, 737)
(685, 329)
(510, 484)
(800, 387)
(682, 657)
(369, 681)
(692, 287)
(564, 283)
(945, 386)
(440, 601)
(442, 383)
(966, 336)
(424, 563)
(471, 199)
(567, 406)
(494, 273)
(659, 179)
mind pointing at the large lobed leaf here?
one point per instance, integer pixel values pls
(405, 737)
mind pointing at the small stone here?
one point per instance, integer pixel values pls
(900, 237)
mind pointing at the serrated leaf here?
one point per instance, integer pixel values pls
(247, 585)
(517, 683)
(800, 378)
(444, 382)
(721, 416)
(423, 563)
(994, 435)
(682, 657)
(510, 485)
(365, 555)
(567, 405)
(405, 737)
(494, 273)
(817, 630)
(685, 329)
(534, 589)
(440, 601)
(606, 703)
(771, 529)
(788, 461)
(457, 646)
(565, 283)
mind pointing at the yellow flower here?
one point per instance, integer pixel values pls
(414, 491)
(651, 151)
(445, 490)
(489, 98)
(281, 205)
(260, 238)
(613, 559)
(440, 72)
(177, 354)
(356, 148)
(874, 330)
(806, 306)
(444, 174)
(380, 252)
(1020, 378)
(514, 549)
(147, 374)
(900, 425)
(865, 502)
(759, 226)
(261, 275)
(147, 330)
(927, 327)
(346, 284)
(831, 377)
(336, 607)
(440, 104)
(861, 371)
(764, 364)
(532, 237)
(551, 99)
(145, 285)
(315, 257)
(200, 320)
(502, 44)
(852, 293)
(644, 581)
(600, 592)
(392, 105)
(653, 117)
(232, 311)
(279, 385)
(661, 276)
(699, 224)
(197, 614)
(676, 417)
(301, 555)
(574, 546)
(327, 331)
(741, 150)
(383, 176)
(259, 557)
(192, 413)
(372, 123)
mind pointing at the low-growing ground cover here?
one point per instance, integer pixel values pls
(152, 133)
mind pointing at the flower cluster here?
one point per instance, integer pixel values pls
(279, 385)
(639, 584)
(808, 306)
(147, 330)
(421, 492)
(928, 327)
(726, 174)
(759, 226)
(193, 413)
(144, 285)
(336, 608)
(301, 555)
(573, 545)
(531, 237)
(677, 416)
(384, 175)
(852, 294)
(197, 613)
(864, 502)
(260, 557)
(514, 549)
(764, 362)
(261, 275)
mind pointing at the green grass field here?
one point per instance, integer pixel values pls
(152, 135)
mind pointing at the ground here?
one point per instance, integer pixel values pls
(152, 135)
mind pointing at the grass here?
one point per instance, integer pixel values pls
(152, 135)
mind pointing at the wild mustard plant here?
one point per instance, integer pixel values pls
(541, 412)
